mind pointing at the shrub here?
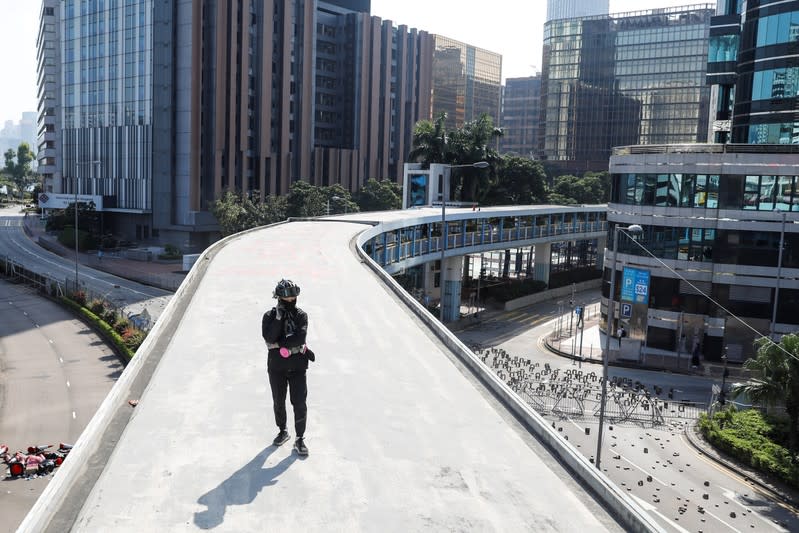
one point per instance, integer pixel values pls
(749, 436)
(79, 297)
(97, 307)
(110, 317)
(121, 325)
(104, 329)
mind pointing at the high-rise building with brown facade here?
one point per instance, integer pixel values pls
(166, 105)
(466, 82)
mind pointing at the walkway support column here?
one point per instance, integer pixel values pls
(451, 295)
(541, 262)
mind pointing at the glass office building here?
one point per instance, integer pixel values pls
(623, 79)
(466, 82)
(715, 217)
(753, 65)
(721, 221)
(520, 116)
(567, 9)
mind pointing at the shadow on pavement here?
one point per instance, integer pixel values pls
(241, 488)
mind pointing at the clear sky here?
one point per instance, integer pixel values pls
(513, 28)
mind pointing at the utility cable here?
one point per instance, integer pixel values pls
(697, 289)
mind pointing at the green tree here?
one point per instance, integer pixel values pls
(18, 166)
(471, 144)
(603, 185)
(380, 195)
(589, 189)
(236, 212)
(340, 200)
(306, 200)
(520, 181)
(776, 381)
(430, 141)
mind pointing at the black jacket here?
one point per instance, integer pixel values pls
(289, 332)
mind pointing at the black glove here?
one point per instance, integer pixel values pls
(309, 354)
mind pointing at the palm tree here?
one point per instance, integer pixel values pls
(777, 381)
(471, 144)
(431, 141)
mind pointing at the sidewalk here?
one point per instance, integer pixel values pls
(167, 276)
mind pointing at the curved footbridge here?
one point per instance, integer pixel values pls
(407, 430)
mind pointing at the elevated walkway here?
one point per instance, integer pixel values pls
(406, 432)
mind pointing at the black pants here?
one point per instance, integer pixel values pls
(294, 382)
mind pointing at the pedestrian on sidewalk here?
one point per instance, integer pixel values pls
(284, 328)
(621, 332)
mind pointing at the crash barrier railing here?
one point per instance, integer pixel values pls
(630, 513)
(18, 273)
(167, 283)
(578, 393)
(398, 243)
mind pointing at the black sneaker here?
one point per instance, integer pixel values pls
(282, 437)
(300, 446)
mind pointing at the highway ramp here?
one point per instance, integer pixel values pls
(402, 436)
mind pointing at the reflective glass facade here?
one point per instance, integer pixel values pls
(632, 78)
(106, 78)
(466, 82)
(520, 116)
(712, 241)
(708, 191)
(567, 9)
(757, 85)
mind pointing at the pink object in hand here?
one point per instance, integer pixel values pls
(284, 352)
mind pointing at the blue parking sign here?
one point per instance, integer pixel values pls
(635, 285)
(626, 310)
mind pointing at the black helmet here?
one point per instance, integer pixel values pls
(286, 289)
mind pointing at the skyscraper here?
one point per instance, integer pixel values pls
(568, 9)
(163, 106)
(721, 217)
(753, 65)
(466, 81)
(48, 60)
(520, 115)
(636, 78)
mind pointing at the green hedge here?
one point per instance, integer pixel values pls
(103, 328)
(750, 437)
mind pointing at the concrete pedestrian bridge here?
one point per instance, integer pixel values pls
(407, 429)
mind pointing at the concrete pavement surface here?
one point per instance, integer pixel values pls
(54, 373)
(401, 436)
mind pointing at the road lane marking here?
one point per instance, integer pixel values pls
(84, 275)
(743, 481)
(722, 521)
(648, 507)
(648, 473)
(582, 430)
(731, 495)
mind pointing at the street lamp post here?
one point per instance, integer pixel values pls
(336, 198)
(779, 275)
(444, 195)
(634, 229)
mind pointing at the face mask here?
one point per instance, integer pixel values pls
(285, 304)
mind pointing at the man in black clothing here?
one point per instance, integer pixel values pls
(284, 328)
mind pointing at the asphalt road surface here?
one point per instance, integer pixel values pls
(653, 462)
(131, 296)
(54, 373)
